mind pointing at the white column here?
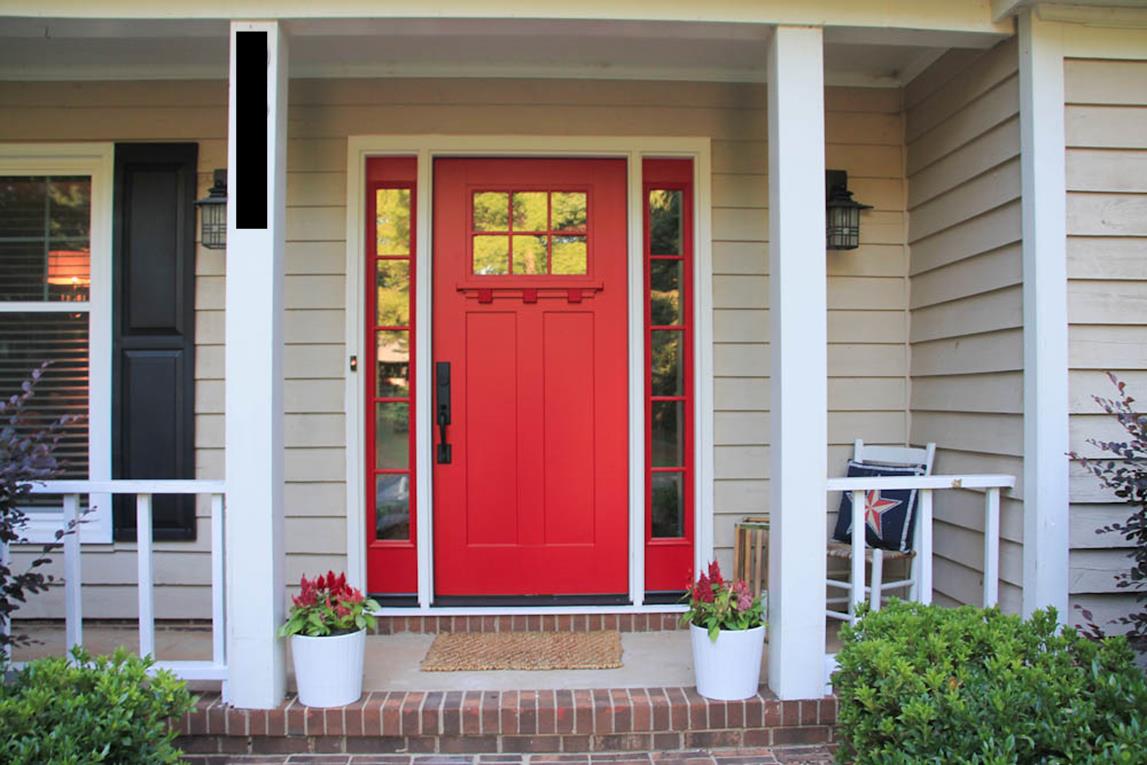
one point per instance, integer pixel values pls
(1045, 485)
(254, 432)
(798, 463)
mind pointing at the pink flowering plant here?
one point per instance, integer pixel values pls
(717, 604)
(327, 605)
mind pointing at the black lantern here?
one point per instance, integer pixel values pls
(842, 213)
(213, 214)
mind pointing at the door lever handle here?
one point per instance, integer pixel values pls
(442, 410)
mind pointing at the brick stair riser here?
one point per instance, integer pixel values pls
(511, 721)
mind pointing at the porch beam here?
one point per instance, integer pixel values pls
(1043, 171)
(974, 16)
(254, 386)
(798, 463)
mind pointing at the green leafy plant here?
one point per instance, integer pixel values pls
(27, 456)
(1125, 473)
(923, 683)
(716, 604)
(111, 709)
(327, 605)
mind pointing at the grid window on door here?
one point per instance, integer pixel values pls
(529, 233)
(390, 394)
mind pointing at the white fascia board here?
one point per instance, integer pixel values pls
(954, 15)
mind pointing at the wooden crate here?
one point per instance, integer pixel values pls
(751, 552)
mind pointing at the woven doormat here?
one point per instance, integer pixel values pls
(475, 651)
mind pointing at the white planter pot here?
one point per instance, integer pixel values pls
(328, 670)
(730, 668)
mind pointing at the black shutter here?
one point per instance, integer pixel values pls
(153, 343)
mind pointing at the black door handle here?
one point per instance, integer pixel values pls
(442, 411)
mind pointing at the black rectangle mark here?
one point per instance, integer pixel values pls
(251, 126)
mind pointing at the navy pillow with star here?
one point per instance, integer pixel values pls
(890, 516)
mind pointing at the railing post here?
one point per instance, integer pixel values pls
(145, 577)
(6, 627)
(991, 547)
(73, 577)
(923, 579)
(856, 592)
(218, 589)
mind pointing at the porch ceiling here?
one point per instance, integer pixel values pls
(87, 49)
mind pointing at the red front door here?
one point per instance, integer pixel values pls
(530, 316)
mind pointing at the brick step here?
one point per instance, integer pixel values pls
(563, 721)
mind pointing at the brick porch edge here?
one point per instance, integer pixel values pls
(627, 719)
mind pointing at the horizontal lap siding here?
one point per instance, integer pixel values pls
(867, 288)
(152, 112)
(1106, 122)
(966, 313)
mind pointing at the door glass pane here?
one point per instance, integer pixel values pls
(668, 505)
(392, 506)
(569, 255)
(491, 255)
(491, 211)
(570, 211)
(530, 212)
(529, 254)
(393, 280)
(665, 222)
(666, 366)
(665, 292)
(45, 245)
(393, 359)
(392, 436)
(392, 221)
(667, 430)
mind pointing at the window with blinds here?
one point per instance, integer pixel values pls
(45, 277)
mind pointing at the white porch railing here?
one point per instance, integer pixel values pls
(990, 484)
(71, 491)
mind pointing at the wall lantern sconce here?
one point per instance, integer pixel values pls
(842, 213)
(213, 214)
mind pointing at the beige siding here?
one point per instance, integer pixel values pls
(962, 145)
(867, 288)
(1106, 108)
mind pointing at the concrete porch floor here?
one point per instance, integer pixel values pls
(649, 659)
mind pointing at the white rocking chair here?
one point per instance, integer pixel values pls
(883, 456)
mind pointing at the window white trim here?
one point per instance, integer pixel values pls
(428, 147)
(96, 160)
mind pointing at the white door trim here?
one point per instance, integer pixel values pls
(426, 148)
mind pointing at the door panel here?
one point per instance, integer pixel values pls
(530, 311)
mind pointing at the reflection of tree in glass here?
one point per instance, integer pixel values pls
(392, 221)
(665, 293)
(665, 433)
(393, 293)
(69, 209)
(665, 222)
(569, 255)
(666, 512)
(665, 364)
(529, 210)
(569, 211)
(490, 211)
(664, 307)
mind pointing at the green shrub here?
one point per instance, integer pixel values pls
(929, 684)
(84, 710)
